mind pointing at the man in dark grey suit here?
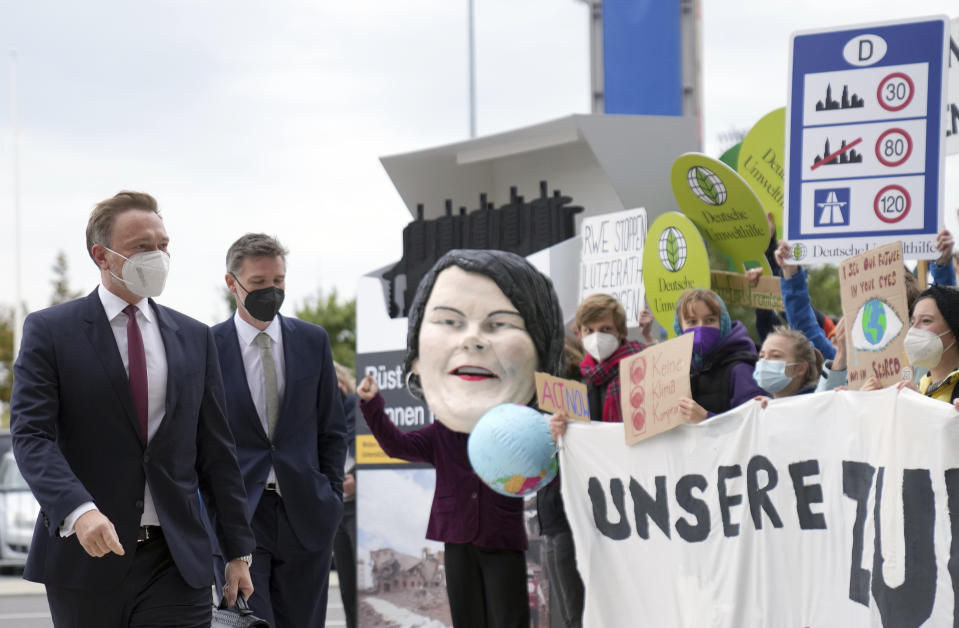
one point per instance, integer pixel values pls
(285, 413)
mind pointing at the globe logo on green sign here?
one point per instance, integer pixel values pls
(672, 249)
(706, 185)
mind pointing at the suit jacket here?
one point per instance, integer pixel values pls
(76, 439)
(309, 441)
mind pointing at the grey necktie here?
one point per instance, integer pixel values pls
(272, 389)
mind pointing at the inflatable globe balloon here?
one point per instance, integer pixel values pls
(512, 451)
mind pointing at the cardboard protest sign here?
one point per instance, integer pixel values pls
(674, 260)
(724, 208)
(555, 394)
(612, 259)
(735, 290)
(873, 296)
(761, 163)
(651, 383)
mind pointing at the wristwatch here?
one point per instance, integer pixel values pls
(248, 559)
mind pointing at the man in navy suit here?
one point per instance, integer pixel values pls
(285, 413)
(117, 417)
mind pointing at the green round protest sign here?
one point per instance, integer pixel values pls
(724, 208)
(761, 159)
(674, 260)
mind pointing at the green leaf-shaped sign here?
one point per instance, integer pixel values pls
(761, 162)
(723, 207)
(674, 260)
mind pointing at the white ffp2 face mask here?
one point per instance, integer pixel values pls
(923, 347)
(144, 274)
(600, 345)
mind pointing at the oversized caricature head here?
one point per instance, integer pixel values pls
(481, 324)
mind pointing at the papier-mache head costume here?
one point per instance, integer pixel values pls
(530, 296)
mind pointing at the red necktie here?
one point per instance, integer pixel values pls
(137, 363)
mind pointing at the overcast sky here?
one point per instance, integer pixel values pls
(271, 116)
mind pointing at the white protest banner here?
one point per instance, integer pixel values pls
(823, 510)
(612, 259)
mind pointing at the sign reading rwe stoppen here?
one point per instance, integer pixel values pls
(864, 139)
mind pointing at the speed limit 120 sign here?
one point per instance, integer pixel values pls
(864, 143)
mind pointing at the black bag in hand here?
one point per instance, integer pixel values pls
(239, 616)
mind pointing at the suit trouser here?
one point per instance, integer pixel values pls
(486, 587)
(153, 594)
(344, 557)
(290, 583)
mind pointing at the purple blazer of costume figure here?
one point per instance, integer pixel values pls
(464, 509)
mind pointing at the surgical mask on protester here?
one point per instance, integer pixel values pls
(704, 338)
(923, 347)
(600, 345)
(144, 274)
(262, 304)
(771, 375)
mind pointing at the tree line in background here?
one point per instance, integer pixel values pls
(338, 317)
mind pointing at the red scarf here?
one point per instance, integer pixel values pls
(606, 373)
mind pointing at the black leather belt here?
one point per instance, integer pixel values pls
(270, 486)
(148, 533)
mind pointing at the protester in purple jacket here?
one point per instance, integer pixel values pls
(721, 374)
(481, 324)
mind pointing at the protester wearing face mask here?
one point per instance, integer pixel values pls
(721, 373)
(286, 414)
(600, 323)
(788, 364)
(931, 343)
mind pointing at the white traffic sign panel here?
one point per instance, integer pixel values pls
(864, 140)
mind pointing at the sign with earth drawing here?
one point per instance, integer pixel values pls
(674, 260)
(873, 295)
(727, 212)
(761, 160)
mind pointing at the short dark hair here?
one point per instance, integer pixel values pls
(947, 302)
(530, 291)
(253, 245)
(104, 214)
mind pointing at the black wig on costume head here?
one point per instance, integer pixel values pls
(947, 301)
(530, 291)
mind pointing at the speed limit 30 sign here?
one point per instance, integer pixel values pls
(864, 138)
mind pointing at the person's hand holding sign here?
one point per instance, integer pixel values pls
(782, 254)
(557, 425)
(692, 411)
(944, 244)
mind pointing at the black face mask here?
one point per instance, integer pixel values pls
(262, 304)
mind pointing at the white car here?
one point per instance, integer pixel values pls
(18, 513)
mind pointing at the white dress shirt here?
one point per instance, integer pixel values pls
(255, 378)
(156, 385)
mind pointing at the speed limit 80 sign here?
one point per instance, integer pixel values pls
(864, 143)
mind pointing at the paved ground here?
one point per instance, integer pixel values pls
(24, 605)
